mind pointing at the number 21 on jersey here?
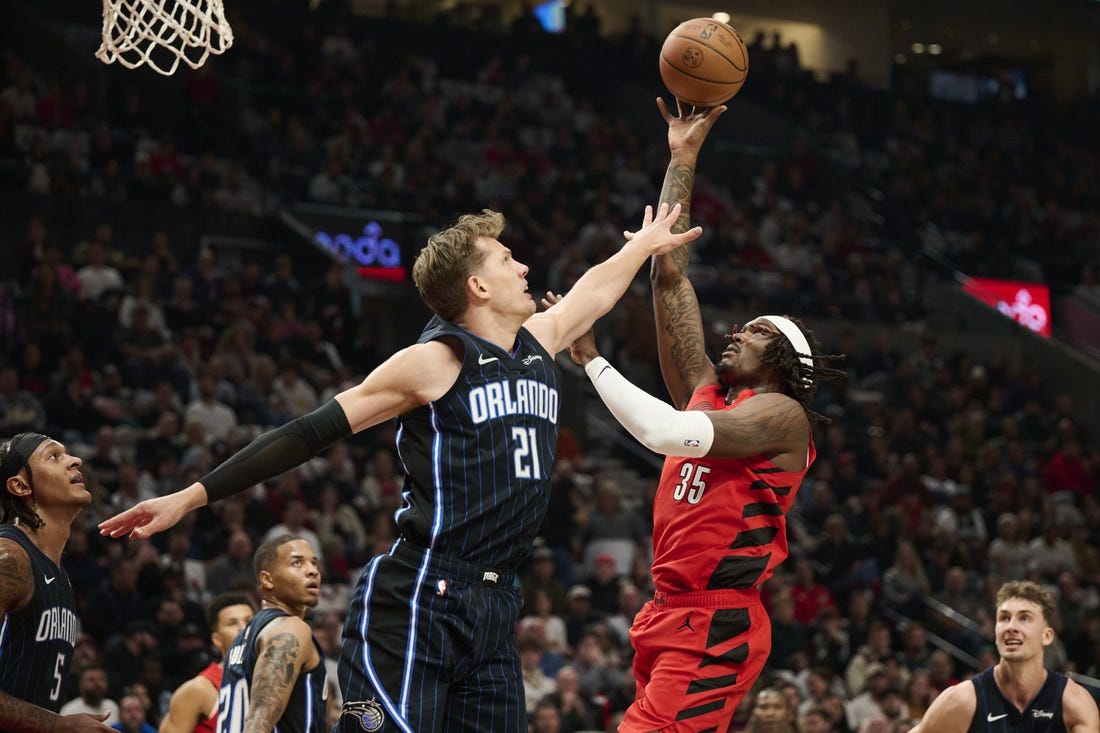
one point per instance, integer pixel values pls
(693, 482)
(526, 454)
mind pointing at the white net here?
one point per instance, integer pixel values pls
(161, 33)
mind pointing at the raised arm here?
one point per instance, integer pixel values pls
(411, 377)
(680, 344)
(769, 424)
(602, 285)
(286, 648)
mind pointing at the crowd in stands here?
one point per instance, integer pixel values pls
(939, 474)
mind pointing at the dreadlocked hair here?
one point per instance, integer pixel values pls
(801, 381)
(14, 510)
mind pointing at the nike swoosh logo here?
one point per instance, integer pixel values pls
(482, 359)
(49, 580)
(991, 717)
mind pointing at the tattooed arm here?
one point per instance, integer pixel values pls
(680, 345)
(284, 649)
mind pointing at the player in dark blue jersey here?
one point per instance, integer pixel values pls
(42, 494)
(429, 643)
(274, 671)
(1018, 694)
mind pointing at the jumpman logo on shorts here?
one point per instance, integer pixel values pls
(687, 623)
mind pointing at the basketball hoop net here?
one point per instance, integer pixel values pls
(161, 33)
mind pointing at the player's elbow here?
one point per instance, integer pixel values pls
(682, 434)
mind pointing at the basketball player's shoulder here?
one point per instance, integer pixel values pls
(951, 711)
(1079, 711)
(16, 575)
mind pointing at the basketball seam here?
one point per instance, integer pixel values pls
(700, 78)
(716, 50)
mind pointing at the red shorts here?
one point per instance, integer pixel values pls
(695, 656)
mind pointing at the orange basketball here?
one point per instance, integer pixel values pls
(704, 62)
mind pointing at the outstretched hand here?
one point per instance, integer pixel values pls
(152, 515)
(688, 130)
(583, 349)
(656, 231)
(84, 723)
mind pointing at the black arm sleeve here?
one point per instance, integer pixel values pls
(278, 451)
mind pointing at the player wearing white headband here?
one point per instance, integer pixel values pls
(738, 443)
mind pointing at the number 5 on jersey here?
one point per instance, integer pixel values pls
(693, 482)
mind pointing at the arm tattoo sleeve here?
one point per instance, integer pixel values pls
(679, 183)
(19, 716)
(272, 682)
(15, 576)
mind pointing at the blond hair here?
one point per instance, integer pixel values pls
(1028, 591)
(451, 255)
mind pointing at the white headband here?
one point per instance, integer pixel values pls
(796, 337)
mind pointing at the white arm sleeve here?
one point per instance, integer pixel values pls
(655, 424)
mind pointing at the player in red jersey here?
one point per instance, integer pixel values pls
(738, 448)
(194, 704)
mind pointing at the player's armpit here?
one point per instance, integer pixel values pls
(412, 377)
(16, 579)
(765, 423)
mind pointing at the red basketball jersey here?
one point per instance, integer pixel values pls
(721, 522)
(213, 672)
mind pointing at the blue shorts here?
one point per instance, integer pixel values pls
(430, 645)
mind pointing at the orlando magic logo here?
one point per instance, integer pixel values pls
(368, 712)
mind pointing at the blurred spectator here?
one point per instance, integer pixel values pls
(604, 582)
(545, 718)
(771, 713)
(131, 716)
(578, 613)
(20, 411)
(93, 700)
(810, 597)
(553, 625)
(124, 652)
(905, 582)
(596, 677)
(867, 704)
(233, 570)
(789, 637)
(1049, 554)
(1008, 554)
(536, 685)
(216, 418)
(99, 276)
(876, 651)
(539, 578)
(116, 603)
(340, 531)
(576, 714)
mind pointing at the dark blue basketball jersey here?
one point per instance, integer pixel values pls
(478, 459)
(36, 642)
(995, 714)
(305, 711)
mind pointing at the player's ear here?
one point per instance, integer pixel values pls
(17, 485)
(1048, 636)
(476, 288)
